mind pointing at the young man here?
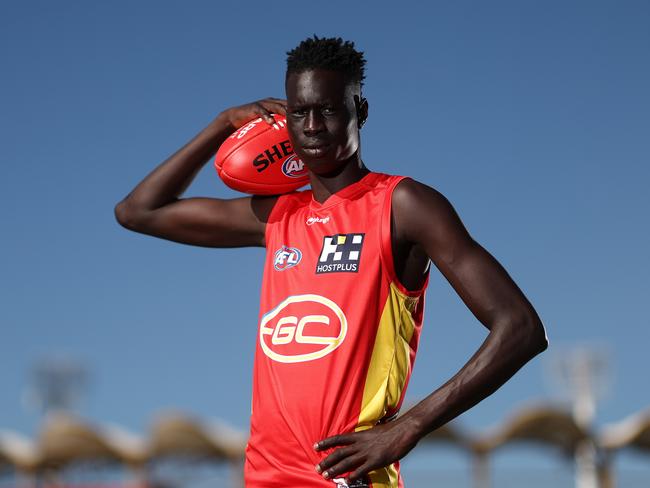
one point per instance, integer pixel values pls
(343, 290)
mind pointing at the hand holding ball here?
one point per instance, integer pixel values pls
(258, 158)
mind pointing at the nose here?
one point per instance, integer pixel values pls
(313, 123)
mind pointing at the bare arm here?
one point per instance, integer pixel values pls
(154, 206)
(424, 218)
(516, 332)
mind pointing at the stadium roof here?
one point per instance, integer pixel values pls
(540, 424)
(66, 439)
(632, 432)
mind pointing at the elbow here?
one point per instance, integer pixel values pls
(541, 341)
(525, 335)
(534, 340)
(126, 215)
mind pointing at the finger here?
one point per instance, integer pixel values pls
(281, 109)
(346, 465)
(276, 106)
(265, 114)
(336, 440)
(334, 458)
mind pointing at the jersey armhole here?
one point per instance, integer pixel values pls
(274, 217)
(387, 245)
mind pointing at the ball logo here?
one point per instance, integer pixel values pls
(245, 129)
(286, 257)
(302, 328)
(293, 167)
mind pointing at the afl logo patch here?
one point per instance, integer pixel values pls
(293, 167)
(302, 328)
(286, 257)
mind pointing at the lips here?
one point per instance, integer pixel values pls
(316, 145)
(315, 149)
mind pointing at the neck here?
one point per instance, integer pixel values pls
(324, 186)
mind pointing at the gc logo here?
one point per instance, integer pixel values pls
(302, 328)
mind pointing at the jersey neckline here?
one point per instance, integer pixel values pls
(344, 193)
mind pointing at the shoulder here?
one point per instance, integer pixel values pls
(419, 209)
(410, 195)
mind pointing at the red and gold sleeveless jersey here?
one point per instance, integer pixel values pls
(337, 333)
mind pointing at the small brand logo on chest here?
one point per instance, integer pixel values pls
(317, 220)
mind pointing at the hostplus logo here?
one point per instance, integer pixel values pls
(340, 254)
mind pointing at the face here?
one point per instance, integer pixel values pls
(323, 118)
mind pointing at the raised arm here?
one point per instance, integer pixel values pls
(425, 220)
(154, 206)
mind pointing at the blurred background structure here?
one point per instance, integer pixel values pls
(533, 118)
(182, 451)
(110, 456)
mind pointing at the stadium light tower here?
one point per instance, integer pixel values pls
(582, 375)
(57, 383)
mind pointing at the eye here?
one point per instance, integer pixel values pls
(297, 112)
(328, 111)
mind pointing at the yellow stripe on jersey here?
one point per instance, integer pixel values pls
(389, 367)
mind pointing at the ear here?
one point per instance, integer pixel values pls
(362, 110)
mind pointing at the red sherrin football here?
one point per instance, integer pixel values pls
(258, 158)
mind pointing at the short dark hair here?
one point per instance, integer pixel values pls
(331, 53)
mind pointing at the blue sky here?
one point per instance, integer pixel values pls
(533, 118)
